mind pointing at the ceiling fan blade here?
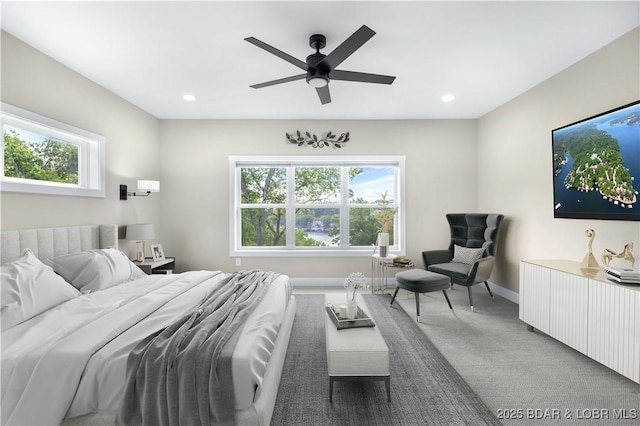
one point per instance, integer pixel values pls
(361, 77)
(323, 94)
(279, 81)
(279, 53)
(350, 45)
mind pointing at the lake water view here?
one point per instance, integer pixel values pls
(322, 237)
(572, 200)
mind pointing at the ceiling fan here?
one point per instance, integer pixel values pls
(320, 69)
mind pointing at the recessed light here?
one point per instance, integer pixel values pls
(448, 98)
(189, 98)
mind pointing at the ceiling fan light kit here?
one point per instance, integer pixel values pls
(317, 81)
(319, 68)
(316, 78)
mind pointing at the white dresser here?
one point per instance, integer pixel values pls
(583, 309)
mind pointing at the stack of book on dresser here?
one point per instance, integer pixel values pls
(623, 275)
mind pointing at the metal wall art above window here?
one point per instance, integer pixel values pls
(329, 139)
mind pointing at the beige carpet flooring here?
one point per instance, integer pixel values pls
(525, 378)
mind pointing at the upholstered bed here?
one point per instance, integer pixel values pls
(67, 335)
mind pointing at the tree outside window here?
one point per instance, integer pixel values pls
(28, 155)
(331, 205)
(43, 156)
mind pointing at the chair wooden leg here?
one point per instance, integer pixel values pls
(447, 297)
(470, 298)
(489, 290)
(394, 295)
(418, 305)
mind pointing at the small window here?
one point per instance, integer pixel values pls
(44, 156)
(315, 205)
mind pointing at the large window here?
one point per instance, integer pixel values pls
(332, 205)
(41, 155)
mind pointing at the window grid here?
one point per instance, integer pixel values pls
(236, 164)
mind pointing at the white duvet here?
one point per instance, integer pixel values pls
(71, 360)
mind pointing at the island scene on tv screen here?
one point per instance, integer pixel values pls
(596, 166)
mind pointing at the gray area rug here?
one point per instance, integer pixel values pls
(425, 389)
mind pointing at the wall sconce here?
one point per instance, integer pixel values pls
(140, 232)
(145, 187)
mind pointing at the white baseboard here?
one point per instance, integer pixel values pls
(510, 295)
(319, 282)
(339, 282)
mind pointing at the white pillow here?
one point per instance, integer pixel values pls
(466, 255)
(30, 287)
(96, 269)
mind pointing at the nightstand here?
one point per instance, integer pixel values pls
(164, 266)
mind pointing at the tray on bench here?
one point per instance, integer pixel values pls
(361, 319)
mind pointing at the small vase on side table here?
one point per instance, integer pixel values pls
(383, 244)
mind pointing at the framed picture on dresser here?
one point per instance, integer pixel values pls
(156, 252)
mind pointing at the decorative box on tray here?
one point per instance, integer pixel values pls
(361, 319)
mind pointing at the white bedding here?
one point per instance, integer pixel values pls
(71, 360)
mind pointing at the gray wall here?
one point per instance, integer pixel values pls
(35, 82)
(195, 213)
(515, 170)
(452, 165)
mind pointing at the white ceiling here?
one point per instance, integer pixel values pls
(152, 53)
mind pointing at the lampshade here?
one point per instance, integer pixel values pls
(140, 231)
(149, 186)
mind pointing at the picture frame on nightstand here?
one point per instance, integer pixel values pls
(157, 252)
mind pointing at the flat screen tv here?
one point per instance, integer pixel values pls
(596, 166)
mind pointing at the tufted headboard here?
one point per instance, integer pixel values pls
(50, 242)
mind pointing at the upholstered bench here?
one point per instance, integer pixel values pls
(421, 281)
(355, 354)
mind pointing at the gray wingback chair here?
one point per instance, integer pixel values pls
(471, 230)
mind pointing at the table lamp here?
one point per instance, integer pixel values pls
(140, 232)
